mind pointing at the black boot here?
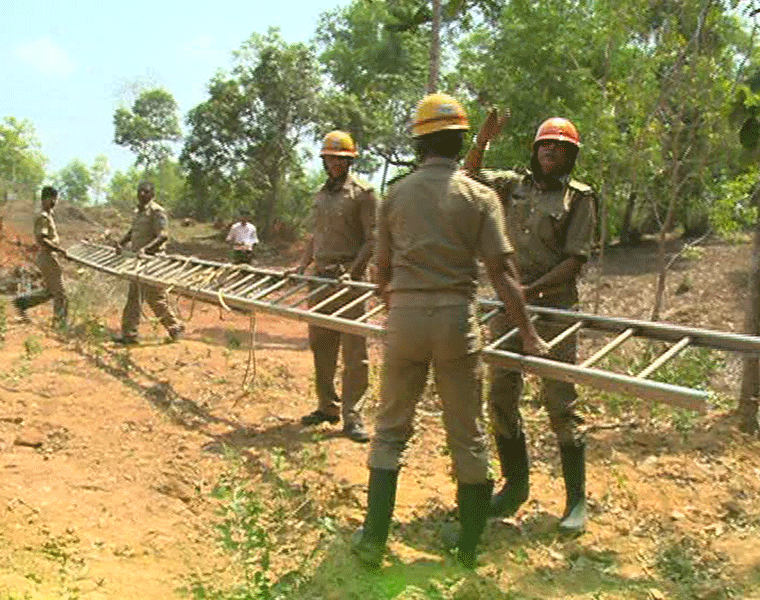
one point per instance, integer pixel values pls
(573, 520)
(368, 542)
(513, 455)
(473, 499)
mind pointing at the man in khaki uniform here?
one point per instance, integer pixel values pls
(343, 223)
(46, 237)
(147, 236)
(432, 227)
(550, 220)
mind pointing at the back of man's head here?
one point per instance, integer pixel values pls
(445, 144)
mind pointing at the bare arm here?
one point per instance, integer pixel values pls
(511, 296)
(155, 243)
(53, 247)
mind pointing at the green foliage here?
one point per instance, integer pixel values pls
(74, 182)
(32, 347)
(149, 127)
(647, 85)
(244, 537)
(242, 150)
(99, 172)
(167, 177)
(730, 209)
(691, 570)
(378, 74)
(21, 161)
(3, 321)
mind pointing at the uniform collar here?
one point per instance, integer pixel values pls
(336, 188)
(555, 184)
(146, 207)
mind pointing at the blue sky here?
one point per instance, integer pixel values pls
(66, 66)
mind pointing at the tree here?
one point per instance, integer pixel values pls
(21, 161)
(149, 128)
(74, 182)
(99, 173)
(242, 148)
(122, 189)
(378, 69)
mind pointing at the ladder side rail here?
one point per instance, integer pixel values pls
(666, 332)
(337, 323)
(612, 382)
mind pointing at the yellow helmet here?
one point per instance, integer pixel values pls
(338, 143)
(438, 112)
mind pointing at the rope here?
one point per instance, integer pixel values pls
(251, 365)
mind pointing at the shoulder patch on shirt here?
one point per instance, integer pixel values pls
(361, 184)
(579, 187)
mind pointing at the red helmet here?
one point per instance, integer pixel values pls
(558, 129)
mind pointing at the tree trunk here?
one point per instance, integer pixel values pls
(627, 237)
(748, 396)
(435, 48)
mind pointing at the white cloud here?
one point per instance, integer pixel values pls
(45, 56)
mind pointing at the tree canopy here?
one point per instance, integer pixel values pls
(149, 127)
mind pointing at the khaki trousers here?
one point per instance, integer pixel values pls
(325, 344)
(158, 301)
(447, 337)
(52, 278)
(558, 397)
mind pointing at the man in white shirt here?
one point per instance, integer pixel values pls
(243, 238)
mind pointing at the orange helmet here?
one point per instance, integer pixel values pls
(438, 112)
(558, 129)
(338, 143)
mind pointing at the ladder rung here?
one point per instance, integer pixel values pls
(489, 315)
(315, 292)
(370, 313)
(269, 290)
(608, 348)
(341, 292)
(670, 353)
(509, 335)
(292, 291)
(565, 334)
(353, 303)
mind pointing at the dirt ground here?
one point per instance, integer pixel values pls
(123, 470)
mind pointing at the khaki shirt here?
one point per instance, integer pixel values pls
(44, 228)
(545, 226)
(147, 223)
(342, 220)
(434, 224)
